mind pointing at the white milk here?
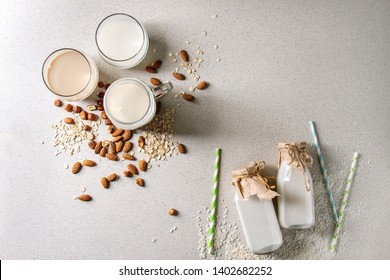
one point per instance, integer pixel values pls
(259, 223)
(128, 102)
(296, 204)
(68, 73)
(121, 40)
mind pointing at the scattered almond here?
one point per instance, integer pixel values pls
(155, 81)
(83, 115)
(100, 108)
(127, 147)
(141, 142)
(182, 149)
(112, 148)
(76, 167)
(127, 173)
(111, 156)
(91, 116)
(179, 76)
(69, 120)
(119, 146)
(100, 84)
(202, 85)
(118, 138)
(184, 55)
(112, 177)
(140, 182)
(107, 86)
(77, 109)
(128, 156)
(156, 64)
(103, 152)
(92, 144)
(98, 147)
(87, 127)
(104, 182)
(107, 121)
(172, 212)
(57, 103)
(100, 94)
(88, 162)
(68, 107)
(127, 135)
(117, 132)
(132, 169)
(103, 115)
(84, 197)
(151, 69)
(111, 129)
(188, 97)
(142, 165)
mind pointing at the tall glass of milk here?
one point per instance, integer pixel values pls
(70, 74)
(130, 103)
(121, 40)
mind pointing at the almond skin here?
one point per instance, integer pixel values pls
(112, 177)
(155, 81)
(151, 69)
(156, 64)
(104, 182)
(103, 115)
(111, 129)
(84, 197)
(127, 173)
(188, 97)
(68, 107)
(103, 152)
(112, 148)
(142, 165)
(76, 167)
(140, 182)
(83, 115)
(132, 169)
(127, 135)
(111, 156)
(88, 162)
(141, 142)
(179, 76)
(172, 212)
(202, 85)
(92, 144)
(91, 117)
(184, 55)
(77, 109)
(107, 121)
(119, 146)
(118, 138)
(98, 147)
(69, 120)
(57, 103)
(182, 149)
(117, 132)
(127, 147)
(128, 156)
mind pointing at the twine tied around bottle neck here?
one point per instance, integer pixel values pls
(298, 156)
(254, 171)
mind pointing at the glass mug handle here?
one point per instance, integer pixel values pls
(161, 90)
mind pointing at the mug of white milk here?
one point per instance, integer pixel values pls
(121, 40)
(129, 103)
(70, 74)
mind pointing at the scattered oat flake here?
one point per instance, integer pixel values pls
(42, 142)
(170, 54)
(218, 59)
(74, 197)
(215, 46)
(66, 166)
(154, 240)
(83, 189)
(214, 16)
(204, 33)
(187, 42)
(154, 50)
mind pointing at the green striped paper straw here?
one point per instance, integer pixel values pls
(336, 233)
(323, 170)
(213, 216)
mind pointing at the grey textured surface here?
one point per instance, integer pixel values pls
(282, 63)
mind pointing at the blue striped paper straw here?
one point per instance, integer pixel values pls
(323, 170)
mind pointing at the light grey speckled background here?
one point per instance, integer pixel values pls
(282, 63)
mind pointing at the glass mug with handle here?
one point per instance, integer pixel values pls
(129, 103)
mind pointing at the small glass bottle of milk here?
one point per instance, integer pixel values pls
(253, 200)
(294, 184)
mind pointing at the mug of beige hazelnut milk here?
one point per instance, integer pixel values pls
(130, 103)
(70, 74)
